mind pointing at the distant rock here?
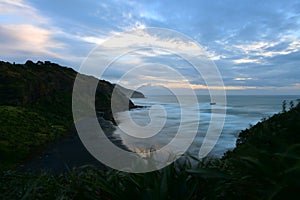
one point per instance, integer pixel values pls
(130, 93)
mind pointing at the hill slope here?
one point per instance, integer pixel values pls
(266, 162)
(36, 105)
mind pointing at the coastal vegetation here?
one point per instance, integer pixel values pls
(35, 108)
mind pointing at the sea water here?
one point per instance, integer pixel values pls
(166, 118)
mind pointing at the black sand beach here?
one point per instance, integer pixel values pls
(63, 155)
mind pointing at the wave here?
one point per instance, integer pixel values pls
(241, 111)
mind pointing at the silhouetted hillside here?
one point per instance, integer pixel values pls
(36, 105)
(46, 82)
(265, 163)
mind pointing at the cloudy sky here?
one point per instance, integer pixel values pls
(255, 44)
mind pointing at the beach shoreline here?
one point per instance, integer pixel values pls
(68, 152)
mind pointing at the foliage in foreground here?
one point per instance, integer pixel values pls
(172, 182)
(266, 161)
(265, 165)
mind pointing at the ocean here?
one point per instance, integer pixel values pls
(157, 126)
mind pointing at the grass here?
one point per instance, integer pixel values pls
(23, 130)
(87, 182)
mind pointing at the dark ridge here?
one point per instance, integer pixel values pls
(36, 106)
(49, 83)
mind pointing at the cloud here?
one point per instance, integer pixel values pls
(22, 33)
(257, 39)
(27, 38)
(19, 12)
(27, 34)
(269, 49)
(242, 79)
(246, 60)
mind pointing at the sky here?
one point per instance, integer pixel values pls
(254, 44)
